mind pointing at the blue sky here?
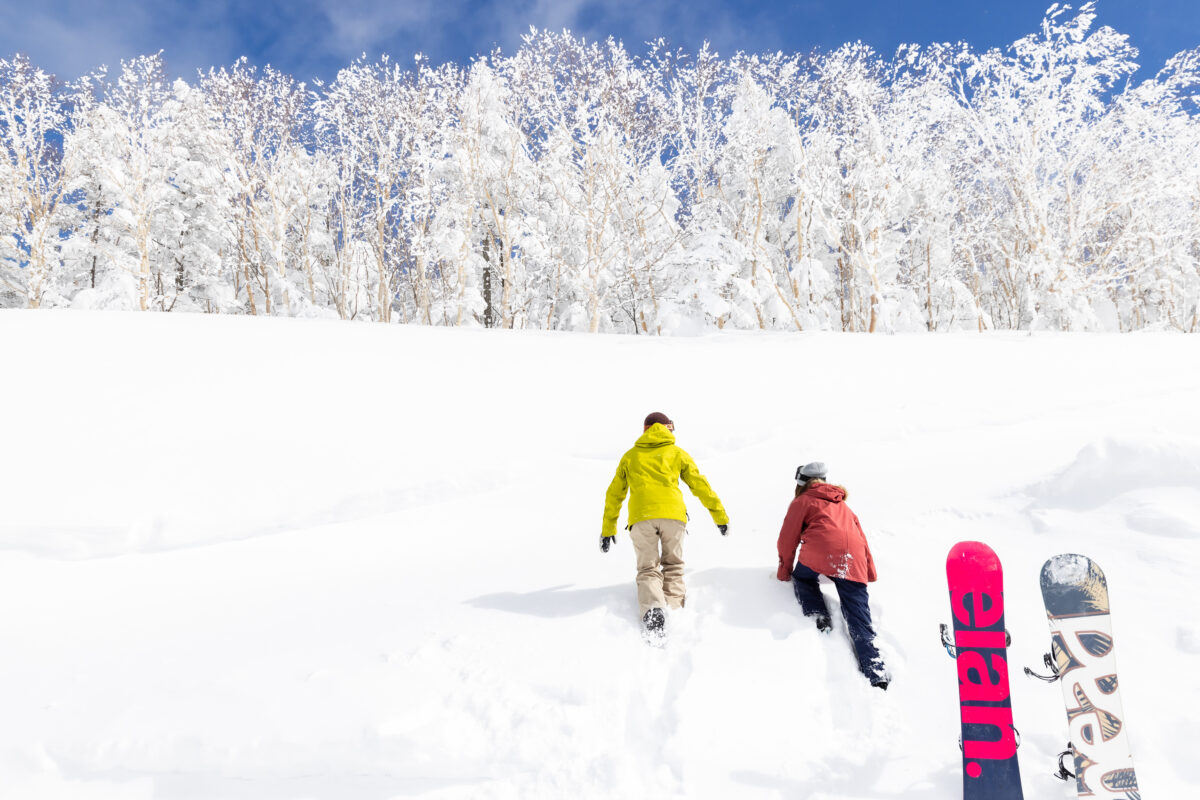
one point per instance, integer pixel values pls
(314, 38)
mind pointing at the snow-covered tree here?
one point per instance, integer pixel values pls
(264, 116)
(495, 174)
(33, 118)
(122, 149)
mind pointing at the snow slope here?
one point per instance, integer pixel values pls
(273, 559)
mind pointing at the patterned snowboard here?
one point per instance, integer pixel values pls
(989, 740)
(1082, 656)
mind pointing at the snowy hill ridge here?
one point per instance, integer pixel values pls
(272, 559)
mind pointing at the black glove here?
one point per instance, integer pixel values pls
(724, 529)
(606, 542)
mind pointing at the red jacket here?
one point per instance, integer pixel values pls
(833, 539)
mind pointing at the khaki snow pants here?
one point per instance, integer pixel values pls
(659, 588)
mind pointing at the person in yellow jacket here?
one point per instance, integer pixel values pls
(657, 520)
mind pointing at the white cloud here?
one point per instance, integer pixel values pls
(632, 21)
(72, 38)
(316, 37)
(369, 25)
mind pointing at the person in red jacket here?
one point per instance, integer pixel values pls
(831, 543)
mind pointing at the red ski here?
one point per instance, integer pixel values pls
(989, 740)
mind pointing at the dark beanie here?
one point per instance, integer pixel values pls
(658, 417)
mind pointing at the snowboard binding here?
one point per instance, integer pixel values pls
(1063, 773)
(948, 643)
(1052, 665)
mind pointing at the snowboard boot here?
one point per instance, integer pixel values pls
(653, 625)
(878, 675)
(824, 623)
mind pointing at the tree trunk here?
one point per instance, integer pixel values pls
(489, 311)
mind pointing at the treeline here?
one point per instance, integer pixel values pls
(574, 186)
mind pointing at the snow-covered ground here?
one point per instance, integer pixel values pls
(256, 559)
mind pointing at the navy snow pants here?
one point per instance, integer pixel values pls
(854, 608)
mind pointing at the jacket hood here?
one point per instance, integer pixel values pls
(656, 435)
(827, 491)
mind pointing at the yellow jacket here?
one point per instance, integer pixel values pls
(650, 472)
